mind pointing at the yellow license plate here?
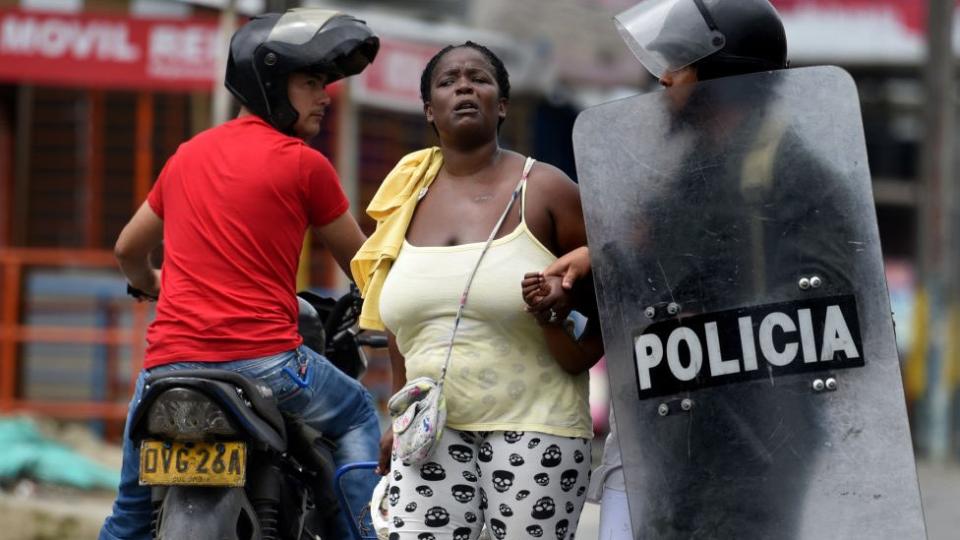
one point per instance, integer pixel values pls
(193, 463)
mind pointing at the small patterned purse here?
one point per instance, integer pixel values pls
(419, 413)
(418, 410)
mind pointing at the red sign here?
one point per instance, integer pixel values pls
(393, 80)
(107, 51)
(911, 13)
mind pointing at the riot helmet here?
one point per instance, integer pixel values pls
(720, 37)
(266, 50)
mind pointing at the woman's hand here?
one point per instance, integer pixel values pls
(386, 450)
(546, 299)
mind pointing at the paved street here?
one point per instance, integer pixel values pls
(939, 488)
(52, 516)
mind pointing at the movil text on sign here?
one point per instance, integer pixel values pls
(107, 51)
(757, 342)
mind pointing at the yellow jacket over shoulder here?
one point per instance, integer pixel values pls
(393, 208)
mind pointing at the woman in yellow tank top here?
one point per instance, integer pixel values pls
(515, 455)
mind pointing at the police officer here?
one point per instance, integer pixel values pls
(681, 43)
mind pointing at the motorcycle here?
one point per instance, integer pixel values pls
(221, 459)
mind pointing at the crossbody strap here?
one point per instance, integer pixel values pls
(466, 290)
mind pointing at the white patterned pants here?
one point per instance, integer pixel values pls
(518, 484)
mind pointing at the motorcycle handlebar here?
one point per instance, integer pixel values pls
(336, 318)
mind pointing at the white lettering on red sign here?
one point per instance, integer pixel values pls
(57, 38)
(388, 81)
(177, 51)
(397, 73)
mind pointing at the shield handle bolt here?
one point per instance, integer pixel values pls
(650, 312)
(818, 385)
(686, 404)
(831, 384)
(804, 283)
(673, 308)
(816, 282)
(663, 409)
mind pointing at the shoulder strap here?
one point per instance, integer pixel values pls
(527, 166)
(466, 290)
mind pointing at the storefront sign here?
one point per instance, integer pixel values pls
(107, 51)
(393, 80)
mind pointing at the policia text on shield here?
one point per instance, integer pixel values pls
(756, 342)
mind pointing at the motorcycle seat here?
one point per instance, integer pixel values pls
(260, 396)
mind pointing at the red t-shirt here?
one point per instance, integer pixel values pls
(236, 201)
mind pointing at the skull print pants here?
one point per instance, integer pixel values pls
(518, 484)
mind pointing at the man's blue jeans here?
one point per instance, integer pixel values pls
(333, 403)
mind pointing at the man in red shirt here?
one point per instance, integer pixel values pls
(232, 206)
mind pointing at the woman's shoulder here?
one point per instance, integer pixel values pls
(541, 173)
(545, 177)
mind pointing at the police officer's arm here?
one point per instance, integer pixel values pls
(821, 242)
(399, 371)
(571, 267)
(138, 238)
(343, 238)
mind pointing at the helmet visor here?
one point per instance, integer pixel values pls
(298, 26)
(667, 35)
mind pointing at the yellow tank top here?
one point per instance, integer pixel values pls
(501, 375)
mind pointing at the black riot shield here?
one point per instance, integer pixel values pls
(749, 339)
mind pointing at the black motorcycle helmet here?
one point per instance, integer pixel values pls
(266, 50)
(721, 38)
